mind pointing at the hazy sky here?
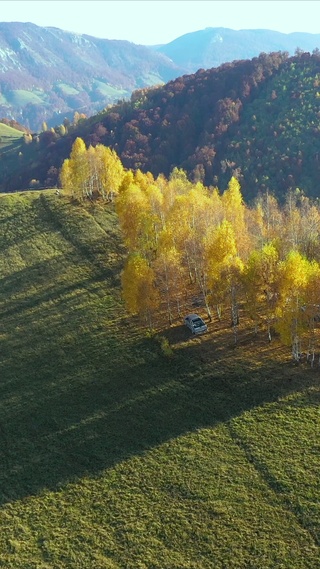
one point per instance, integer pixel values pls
(151, 22)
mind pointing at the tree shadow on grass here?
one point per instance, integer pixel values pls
(81, 388)
(77, 408)
(18, 306)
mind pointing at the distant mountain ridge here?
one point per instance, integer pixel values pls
(212, 47)
(46, 74)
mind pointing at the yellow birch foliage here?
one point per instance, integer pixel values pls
(233, 205)
(294, 274)
(224, 266)
(234, 213)
(311, 307)
(169, 273)
(93, 174)
(271, 218)
(66, 178)
(220, 248)
(178, 184)
(140, 209)
(144, 180)
(96, 170)
(110, 171)
(260, 278)
(190, 219)
(252, 285)
(139, 292)
(79, 168)
(127, 180)
(216, 208)
(312, 292)
(132, 209)
(155, 212)
(310, 230)
(255, 226)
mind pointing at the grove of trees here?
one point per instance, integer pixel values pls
(187, 242)
(96, 171)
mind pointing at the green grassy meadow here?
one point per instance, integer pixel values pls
(9, 135)
(110, 91)
(25, 97)
(115, 455)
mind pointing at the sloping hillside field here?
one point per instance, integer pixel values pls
(114, 453)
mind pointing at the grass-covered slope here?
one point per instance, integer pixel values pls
(8, 135)
(114, 455)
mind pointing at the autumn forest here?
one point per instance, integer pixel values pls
(186, 241)
(257, 120)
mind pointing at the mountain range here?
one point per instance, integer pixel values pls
(212, 47)
(47, 74)
(254, 119)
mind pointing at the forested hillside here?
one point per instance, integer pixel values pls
(254, 119)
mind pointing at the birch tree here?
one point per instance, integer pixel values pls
(190, 217)
(293, 279)
(224, 270)
(311, 311)
(110, 171)
(138, 287)
(169, 274)
(261, 281)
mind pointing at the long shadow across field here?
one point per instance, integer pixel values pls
(82, 403)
